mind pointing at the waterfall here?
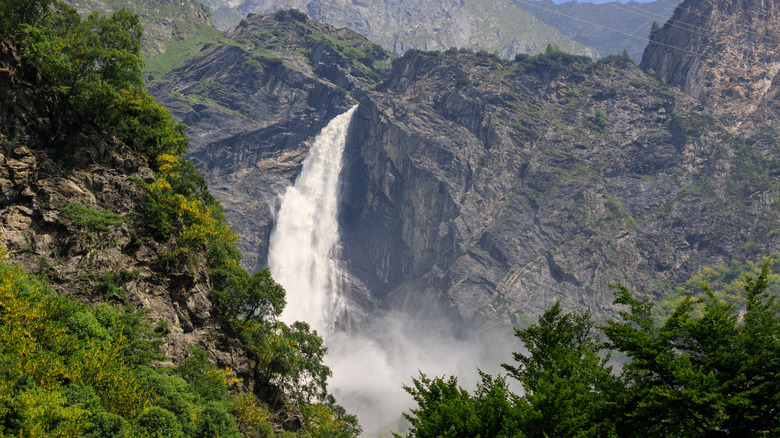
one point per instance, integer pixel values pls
(304, 252)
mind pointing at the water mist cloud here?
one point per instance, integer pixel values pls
(370, 367)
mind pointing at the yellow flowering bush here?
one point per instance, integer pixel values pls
(182, 208)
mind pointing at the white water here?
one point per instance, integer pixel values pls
(369, 368)
(304, 252)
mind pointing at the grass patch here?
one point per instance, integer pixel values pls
(95, 221)
(176, 52)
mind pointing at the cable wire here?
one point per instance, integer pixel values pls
(648, 40)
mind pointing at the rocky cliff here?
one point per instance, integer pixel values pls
(255, 101)
(724, 54)
(71, 210)
(478, 187)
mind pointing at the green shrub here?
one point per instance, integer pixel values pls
(84, 325)
(215, 421)
(108, 425)
(159, 423)
(600, 119)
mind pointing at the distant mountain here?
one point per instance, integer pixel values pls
(494, 26)
(607, 27)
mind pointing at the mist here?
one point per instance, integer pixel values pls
(370, 367)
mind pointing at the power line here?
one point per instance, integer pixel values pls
(648, 40)
(671, 22)
(745, 28)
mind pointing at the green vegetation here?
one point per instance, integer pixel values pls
(177, 51)
(73, 346)
(285, 31)
(96, 63)
(93, 221)
(705, 370)
(692, 124)
(70, 370)
(552, 61)
(726, 283)
(655, 27)
(600, 119)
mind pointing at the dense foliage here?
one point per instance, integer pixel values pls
(67, 369)
(707, 370)
(96, 62)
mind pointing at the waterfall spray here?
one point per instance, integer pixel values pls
(369, 367)
(304, 252)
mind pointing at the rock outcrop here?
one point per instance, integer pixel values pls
(55, 170)
(482, 188)
(723, 53)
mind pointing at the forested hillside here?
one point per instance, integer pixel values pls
(123, 309)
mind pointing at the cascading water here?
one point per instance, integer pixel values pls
(304, 251)
(371, 366)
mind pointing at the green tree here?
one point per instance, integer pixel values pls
(568, 388)
(18, 13)
(251, 298)
(298, 363)
(447, 410)
(698, 376)
(655, 27)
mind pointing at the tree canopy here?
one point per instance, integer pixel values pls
(707, 370)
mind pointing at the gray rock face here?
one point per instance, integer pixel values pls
(484, 189)
(725, 54)
(496, 201)
(252, 117)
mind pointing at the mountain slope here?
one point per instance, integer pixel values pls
(482, 188)
(424, 25)
(164, 22)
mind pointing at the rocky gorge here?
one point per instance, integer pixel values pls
(475, 188)
(482, 188)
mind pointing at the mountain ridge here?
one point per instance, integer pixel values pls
(487, 189)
